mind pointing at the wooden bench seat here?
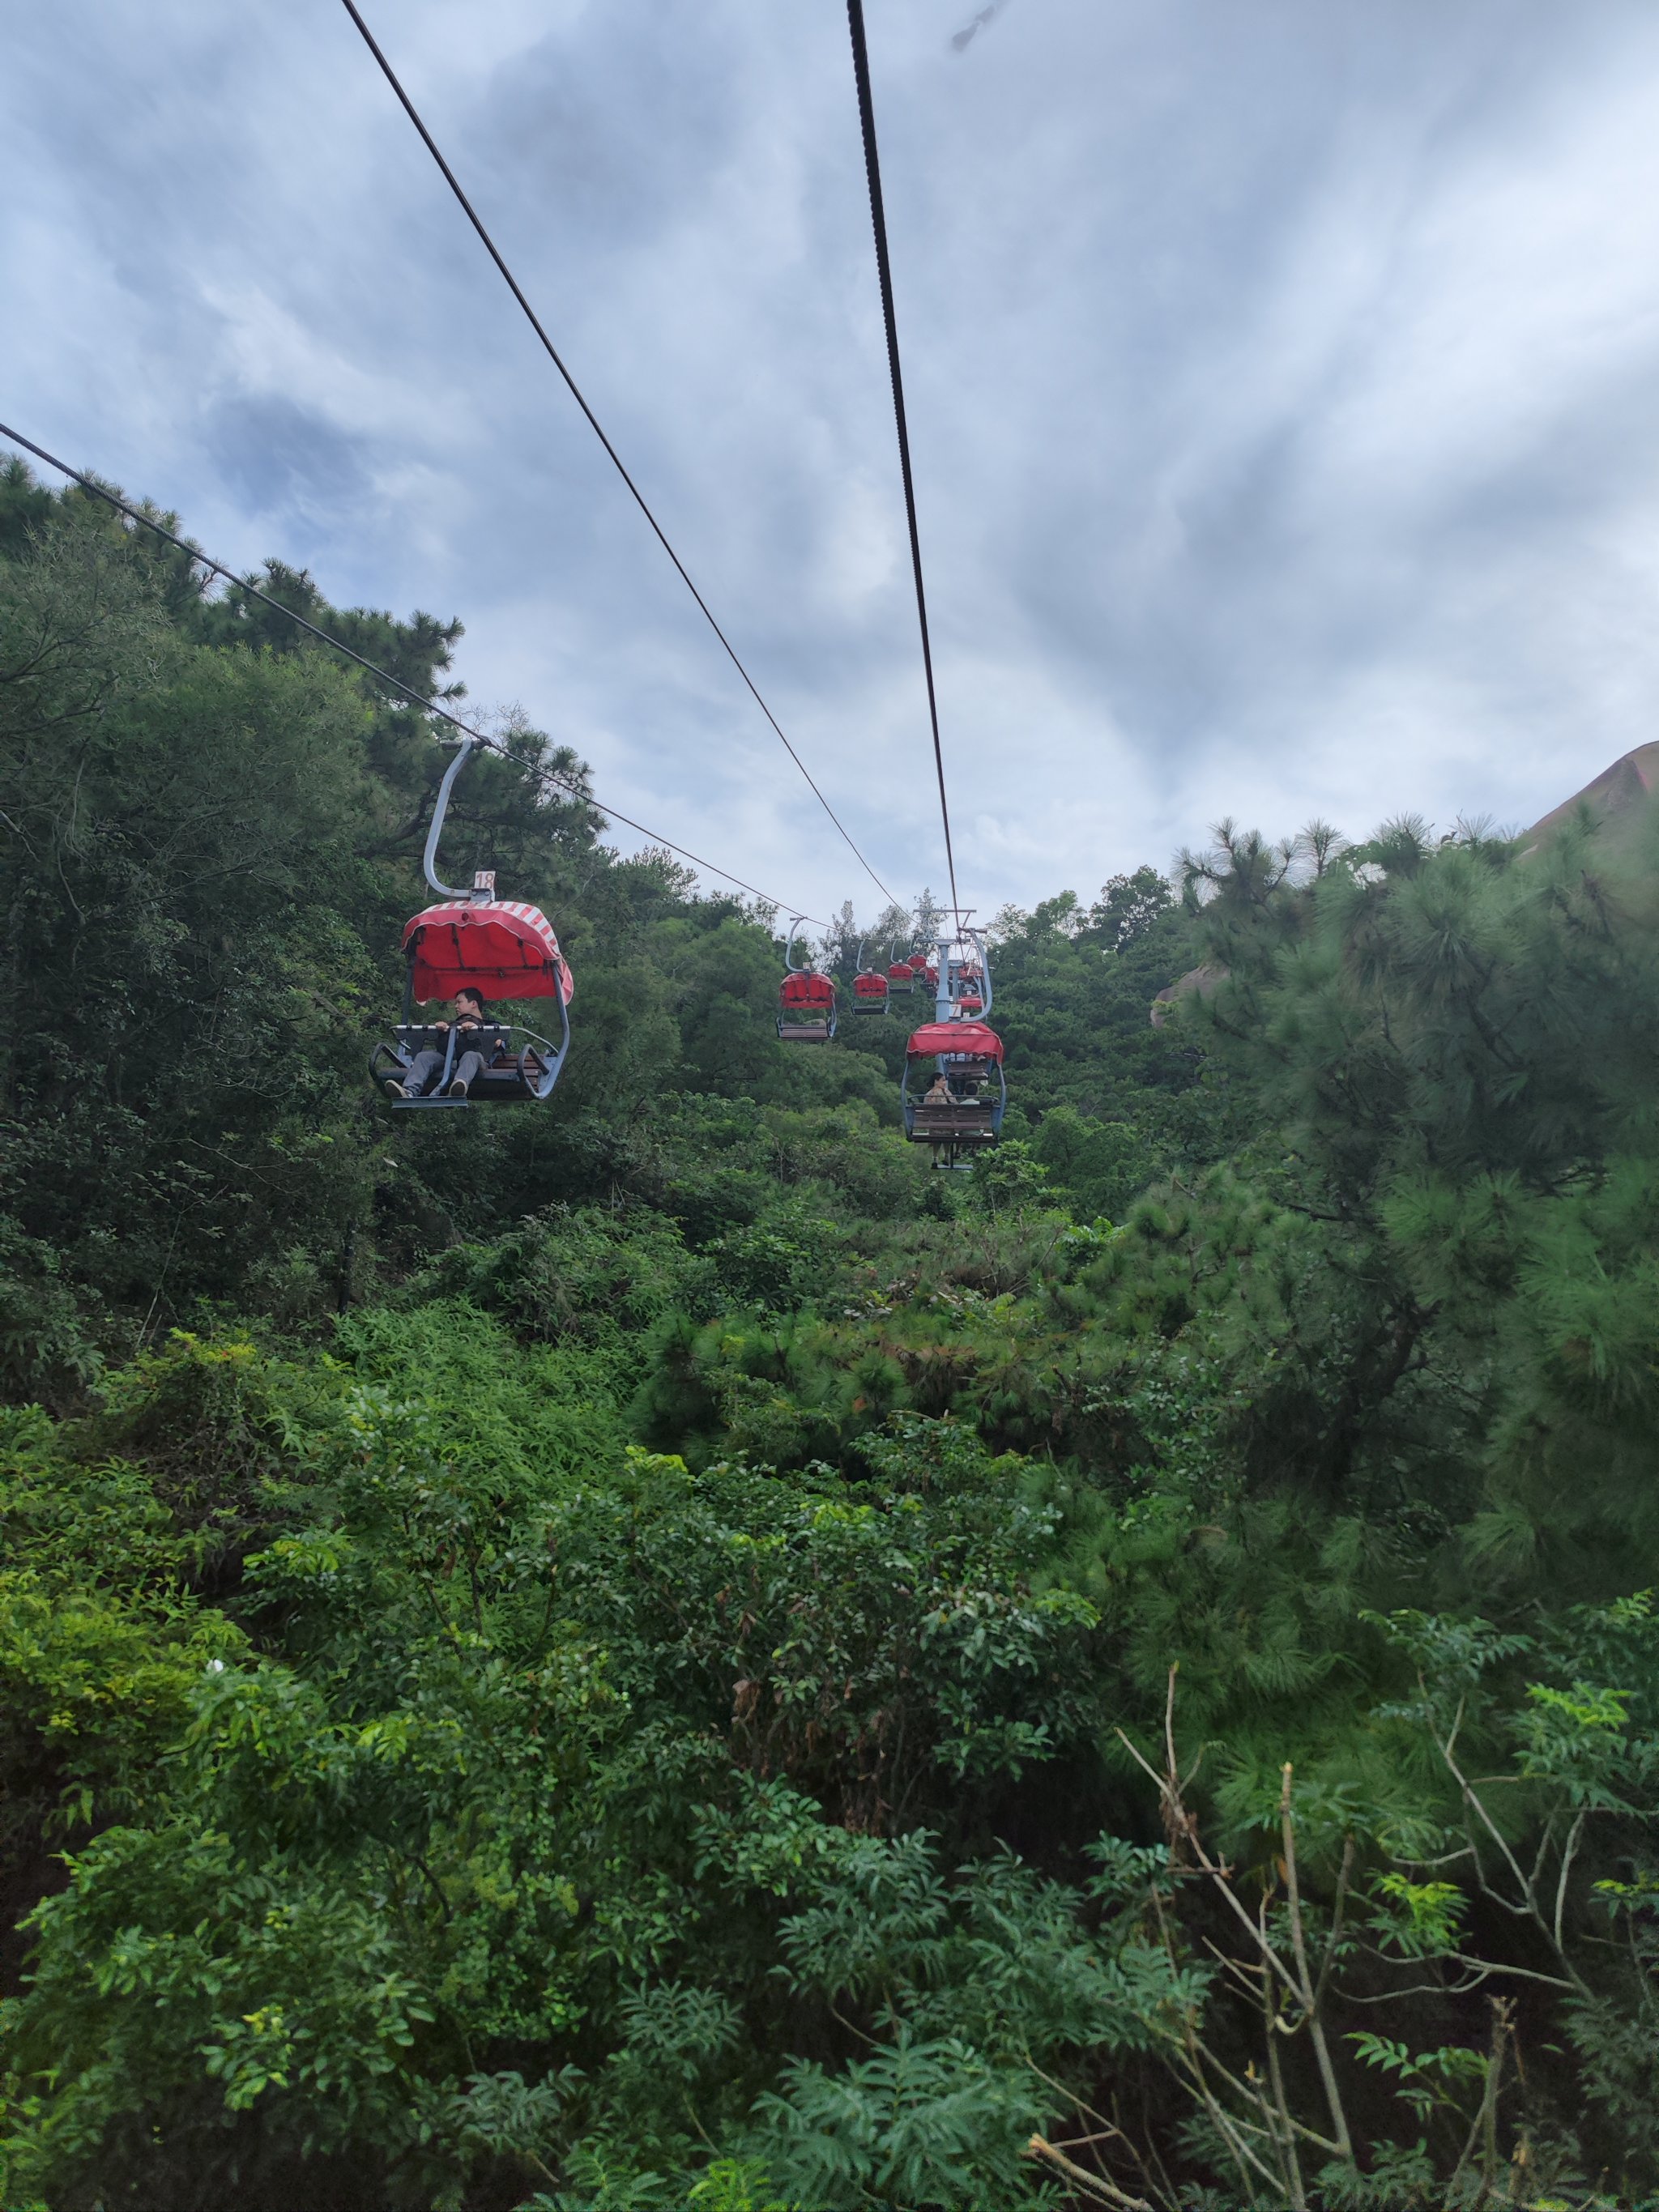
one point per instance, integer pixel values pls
(961, 1124)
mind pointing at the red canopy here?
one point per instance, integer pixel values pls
(505, 949)
(871, 984)
(951, 1040)
(806, 987)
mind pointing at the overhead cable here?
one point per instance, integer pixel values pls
(554, 357)
(544, 776)
(885, 271)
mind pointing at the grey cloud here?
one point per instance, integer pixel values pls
(618, 170)
(279, 458)
(1280, 377)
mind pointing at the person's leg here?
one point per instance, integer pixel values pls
(423, 1071)
(468, 1067)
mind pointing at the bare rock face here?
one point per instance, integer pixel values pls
(1203, 979)
(1618, 790)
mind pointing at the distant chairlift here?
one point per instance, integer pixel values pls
(964, 965)
(869, 988)
(806, 1000)
(966, 1053)
(503, 948)
(904, 976)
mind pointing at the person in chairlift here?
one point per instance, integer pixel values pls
(428, 1064)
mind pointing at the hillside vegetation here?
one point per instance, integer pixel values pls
(655, 1652)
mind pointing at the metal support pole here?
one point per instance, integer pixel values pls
(429, 858)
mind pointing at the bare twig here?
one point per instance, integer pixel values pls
(1282, 2110)
(1315, 2026)
(1092, 2185)
(1483, 2129)
(1574, 1834)
(1284, 2143)
(1339, 1911)
(1180, 1824)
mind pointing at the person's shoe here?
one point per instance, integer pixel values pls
(400, 1090)
(460, 1087)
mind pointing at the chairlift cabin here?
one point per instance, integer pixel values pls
(806, 1000)
(806, 1007)
(502, 949)
(960, 978)
(969, 1057)
(869, 988)
(903, 976)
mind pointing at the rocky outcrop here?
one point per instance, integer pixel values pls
(1203, 979)
(1617, 792)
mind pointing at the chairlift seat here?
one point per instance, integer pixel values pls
(511, 1072)
(966, 1053)
(963, 1121)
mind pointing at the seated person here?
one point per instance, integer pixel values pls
(940, 1094)
(428, 1064)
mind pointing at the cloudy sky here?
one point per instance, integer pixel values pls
(1284, 381)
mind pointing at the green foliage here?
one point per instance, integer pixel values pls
(656, 1653)
(920, 2122)
(210, 834)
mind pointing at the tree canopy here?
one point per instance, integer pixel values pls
(655, 1651)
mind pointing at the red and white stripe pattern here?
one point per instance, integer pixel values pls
(498, 924)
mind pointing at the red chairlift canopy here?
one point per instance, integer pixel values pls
(953, 1040)
(505, 949)
(806, 987)
(870, 984)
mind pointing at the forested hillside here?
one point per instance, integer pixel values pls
(654, 1651)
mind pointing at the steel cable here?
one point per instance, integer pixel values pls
(554, 356)
(884, 272)
(545, 777)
